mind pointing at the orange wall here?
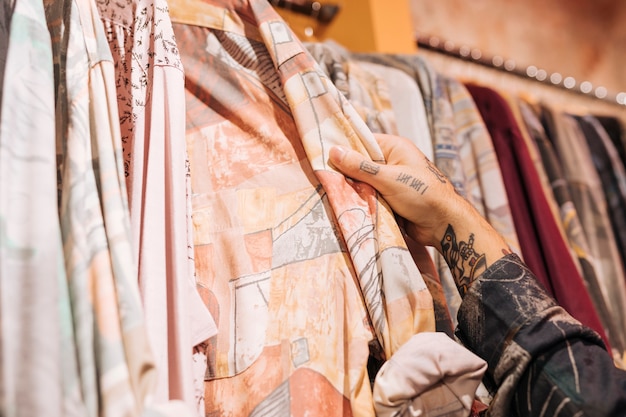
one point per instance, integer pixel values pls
(360, 25)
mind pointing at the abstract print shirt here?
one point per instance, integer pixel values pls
(301, 268)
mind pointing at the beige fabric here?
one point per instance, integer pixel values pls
(407, 104)
(430, 375)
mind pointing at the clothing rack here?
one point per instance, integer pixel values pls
(323, 13)
(531, 72)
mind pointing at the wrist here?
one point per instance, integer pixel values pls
(458, 213)
(469, 244)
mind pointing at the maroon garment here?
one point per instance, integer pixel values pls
(543, 248)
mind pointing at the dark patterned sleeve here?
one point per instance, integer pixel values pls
(541, 361)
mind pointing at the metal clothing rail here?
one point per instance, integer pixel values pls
(497, 62)
(323, 13)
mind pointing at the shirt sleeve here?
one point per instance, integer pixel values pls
(541, 361)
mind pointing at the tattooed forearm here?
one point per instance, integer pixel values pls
(369, 167)
(464, 262)
(415, 183)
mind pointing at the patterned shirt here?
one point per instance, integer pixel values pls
(362, 85)
(301, 267)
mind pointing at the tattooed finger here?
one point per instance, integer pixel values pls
(369, 167)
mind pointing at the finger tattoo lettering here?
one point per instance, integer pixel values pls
(369, 167)
(404, 178)
(415, 183)
(418, 185)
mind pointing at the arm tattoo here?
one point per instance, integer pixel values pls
(434, 170)
(369, 167)
(466, 265)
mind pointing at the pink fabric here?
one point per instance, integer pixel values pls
(176, 316)
(151, 100)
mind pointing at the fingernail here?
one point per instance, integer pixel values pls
(340, 152)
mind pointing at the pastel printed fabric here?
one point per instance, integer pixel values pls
(407, 103)
(367, 91)
(115, 363)
(302, 268)
(151, 103)
(36, 332)
(462, 150)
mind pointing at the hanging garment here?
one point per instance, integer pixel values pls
(462, 151)
(367, 92)
(418, 69)
(407, 104)
(612, 177)
(301, 267)
(115, 362)
(616, 131)
(38, 373)
(540, 360)
(364, 90)
(589, 200)
(485, 186)
(598, 292)
(513, 104)
(544, 249)
(151, 105)
(478, 161)
(430, 375)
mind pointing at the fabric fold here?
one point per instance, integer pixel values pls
(430, 375)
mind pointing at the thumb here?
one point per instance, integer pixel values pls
(352, 164)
